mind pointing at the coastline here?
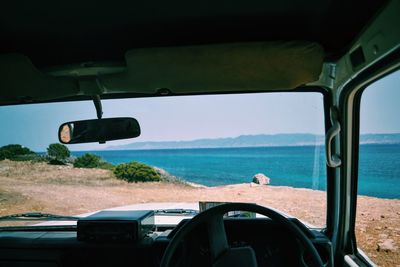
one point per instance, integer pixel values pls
(212, 167)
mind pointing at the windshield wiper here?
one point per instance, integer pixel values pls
(37, 216)
(183, 212)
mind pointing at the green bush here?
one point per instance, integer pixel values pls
(89, 160)
(14, 151)
(136, 172)
(58, 152)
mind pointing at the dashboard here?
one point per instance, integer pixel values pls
(53, 247)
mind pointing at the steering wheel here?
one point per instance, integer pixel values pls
(221, 254)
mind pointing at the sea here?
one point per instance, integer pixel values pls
(295, 166)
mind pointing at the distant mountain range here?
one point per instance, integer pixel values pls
(255, 141)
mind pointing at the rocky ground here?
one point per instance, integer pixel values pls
(26, 186)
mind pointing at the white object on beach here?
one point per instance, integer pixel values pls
(260, 179)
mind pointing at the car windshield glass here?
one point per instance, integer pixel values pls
(258, 148)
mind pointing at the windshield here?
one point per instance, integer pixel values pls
(257, 148)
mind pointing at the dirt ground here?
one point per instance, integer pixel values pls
(26, 186)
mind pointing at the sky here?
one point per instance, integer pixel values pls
(194, 117)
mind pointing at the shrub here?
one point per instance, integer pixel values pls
(58, 153)
(136, 172)
(89, 160)
(14, 151)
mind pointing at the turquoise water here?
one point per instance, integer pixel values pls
(300, 166)
(379, 171)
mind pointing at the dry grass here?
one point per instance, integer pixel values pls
(28, 186)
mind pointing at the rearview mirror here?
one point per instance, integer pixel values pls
(98, 130)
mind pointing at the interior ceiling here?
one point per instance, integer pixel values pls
(54, 33)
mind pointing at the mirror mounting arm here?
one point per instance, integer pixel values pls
(97, 105)
(99, 111)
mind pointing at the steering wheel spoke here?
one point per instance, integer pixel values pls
(217, 236)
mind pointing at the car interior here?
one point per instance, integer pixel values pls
(53, 52)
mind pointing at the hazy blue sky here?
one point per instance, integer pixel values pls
(187, 118)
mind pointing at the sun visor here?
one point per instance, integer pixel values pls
(259, 66)
(21, 82)
(240, 67)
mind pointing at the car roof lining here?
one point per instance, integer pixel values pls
(233, 67)
(70, 32)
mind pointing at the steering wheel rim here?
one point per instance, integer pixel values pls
(213, 217)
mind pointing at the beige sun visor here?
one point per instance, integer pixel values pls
(260, 66)
(237, 67)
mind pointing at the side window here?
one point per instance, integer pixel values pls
(378, 203)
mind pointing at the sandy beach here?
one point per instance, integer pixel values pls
(26, 186)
